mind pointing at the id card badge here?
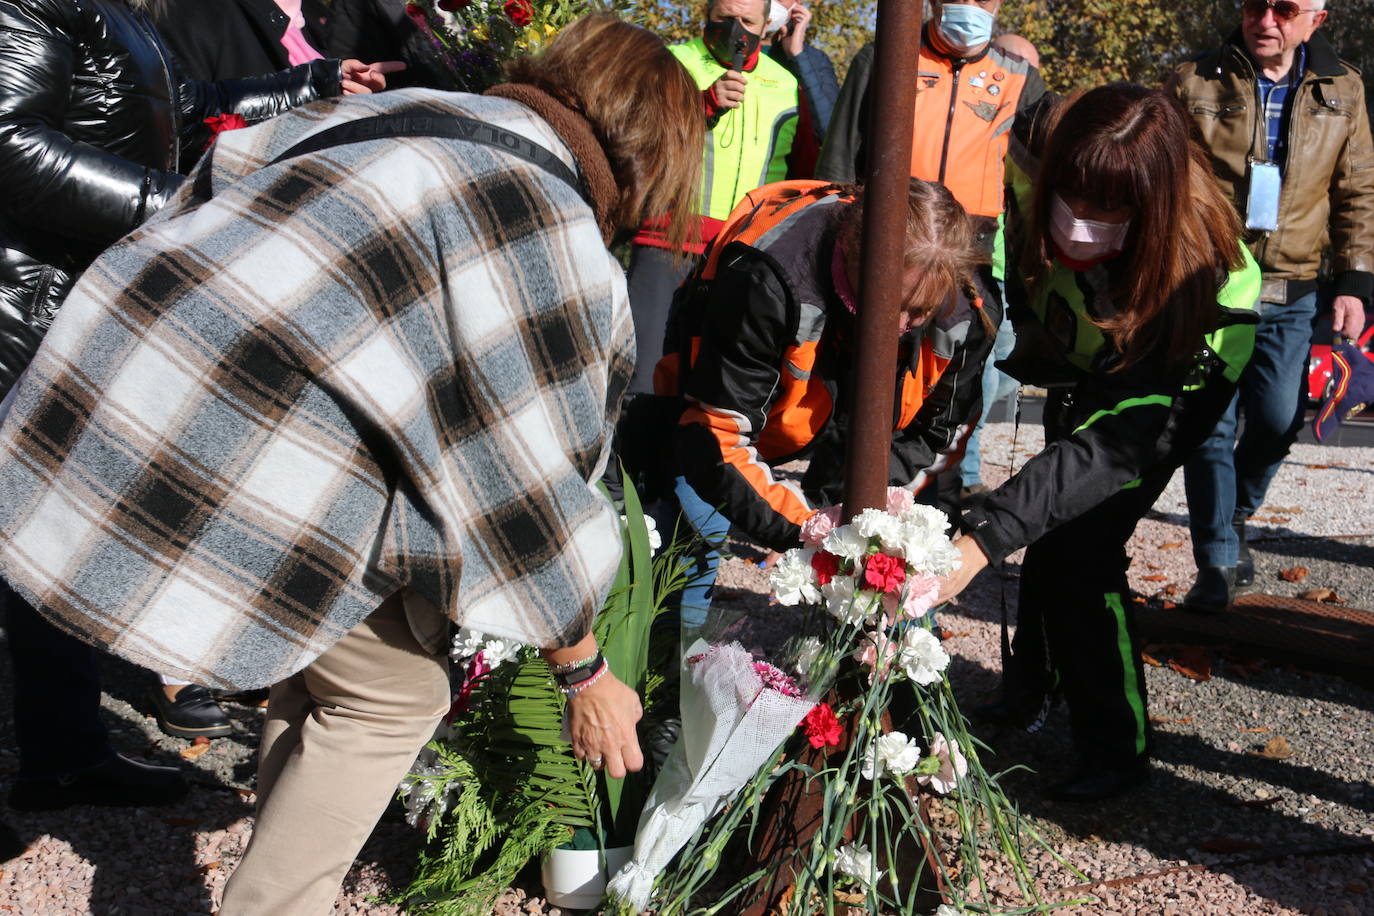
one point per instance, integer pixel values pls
(1262, 200)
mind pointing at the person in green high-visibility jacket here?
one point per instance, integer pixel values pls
(751, 105)
(1134, 306)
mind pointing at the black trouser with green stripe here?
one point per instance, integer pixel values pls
(1075, 628)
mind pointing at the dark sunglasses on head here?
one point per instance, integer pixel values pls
(1284, 10)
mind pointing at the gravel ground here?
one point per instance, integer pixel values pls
(1221, 829)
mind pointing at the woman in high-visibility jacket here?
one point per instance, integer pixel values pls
(761, 345)
(1134, 307)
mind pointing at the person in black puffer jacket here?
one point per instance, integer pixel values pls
(95, 124)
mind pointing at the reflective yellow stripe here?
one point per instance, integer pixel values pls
(1157, 399)
(1129, 683)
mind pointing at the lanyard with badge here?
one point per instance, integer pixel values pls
(1264, 180)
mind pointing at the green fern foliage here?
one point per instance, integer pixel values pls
(507, 787)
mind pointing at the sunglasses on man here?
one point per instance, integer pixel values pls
(1284, 10)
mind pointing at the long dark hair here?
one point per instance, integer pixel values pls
(1127, 146)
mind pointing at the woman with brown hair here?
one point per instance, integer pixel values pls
(761, 348)
(358, 380)
(1135, 309)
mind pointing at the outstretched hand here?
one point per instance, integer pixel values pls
(974, 560)
(363, 79)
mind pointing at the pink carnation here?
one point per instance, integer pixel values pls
(775, 678)
(821, 523)
(899, 499)
(876, 651)
(884, 573)
(921, 592)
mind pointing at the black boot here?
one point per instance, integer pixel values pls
(1091, 782)
(1245, 564)
(193, 714)
(1211, 592)
(117, 781)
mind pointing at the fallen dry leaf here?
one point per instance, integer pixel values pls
(1160, 720)
(1226, 844)
(1296, 574)
(1262, 728)
(194, 751)
(1326, 595)
(247, 795)
(1150, 660)
(1170, 605)
(1277, 749)
(1171, 545)
(201, 739)
(1155, 578)
(1193, 662)
(1139, 599)
(209, 866)
(1171, 589)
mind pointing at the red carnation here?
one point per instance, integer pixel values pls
(520, 12)
(220, 123)
(825, 565)
(884, 573)
(822, 728)
(416, 12)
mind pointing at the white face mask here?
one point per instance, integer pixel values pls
(777, 17)
(1084, 239)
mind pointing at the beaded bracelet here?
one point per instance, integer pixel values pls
(573, 666)
(575, 689)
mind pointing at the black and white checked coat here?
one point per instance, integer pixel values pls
(301, 387)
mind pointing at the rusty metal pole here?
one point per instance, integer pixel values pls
(892, 110)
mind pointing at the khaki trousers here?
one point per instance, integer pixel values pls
(339, 737)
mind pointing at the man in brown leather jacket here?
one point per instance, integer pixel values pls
(1285, 123)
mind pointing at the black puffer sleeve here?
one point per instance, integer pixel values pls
(68, 187)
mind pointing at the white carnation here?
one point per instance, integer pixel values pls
(793, 580)
(466, 643)
(855, 861)
(929, 551)
(921, 656)
(842, 601)
(922, 516)
(846, 542)
(497, 650)
(893, 753)
(808, 653)
(875, 523)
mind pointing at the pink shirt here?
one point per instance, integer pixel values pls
(298, 50)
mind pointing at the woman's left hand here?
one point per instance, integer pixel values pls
(601, 721)
(363, 79)
(973, 562)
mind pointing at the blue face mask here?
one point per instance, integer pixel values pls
(964, 26)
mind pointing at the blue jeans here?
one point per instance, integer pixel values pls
(695, 598)
(1226, 479)
(996, 386)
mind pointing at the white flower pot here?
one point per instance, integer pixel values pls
(574, 878)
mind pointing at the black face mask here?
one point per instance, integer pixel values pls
(730, 43)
